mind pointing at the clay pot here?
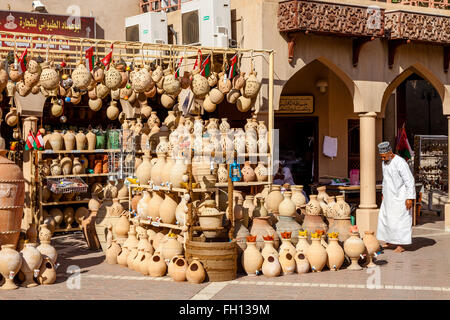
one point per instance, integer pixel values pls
(248, 174)
(252, 260)
(167, 101)
(143, 172)
(112, 252)
(330, 210)
(95, 104)
(372, 245)
(287, 262)
(12, 118)
(216, 96)
(286, 245)
(316, 255)
(313, 220)
(113, 78)
(120, 228)
(210, 217)
(298, 197)
(134, 201)
(199, 85)
(165, 173)
(157, 267)
(47, 272)
(208, 106)
(248, 204)
(49, 78)
(154, 205)
(179, 270)
(274, 199)
(335, 254)
(302, 263)
(45, 248)
(176, 172)
(10, 263)
(157, 168)
(269, 249)
(142, 205)
(66, 165)
(141, 81)
(271, 266)
(31, 261)
(91, 140)
(77, 167)
(353, 248)
(69, 141)
(98, 168)
(57, 215)
(171, 85)
(222, 173)
(168, 208)
(80, 139)
(341, 219)
(56, 141)
(122, 256)
(69, 216)
(195, 273)
(302, 244)
(80, 214)
(171, 248)
(286, 207)
(252, 86)
(224, 85)
(261, 172)
(233, 96)
(112, 112)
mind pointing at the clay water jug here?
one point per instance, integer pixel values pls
(94, 202)
(222, 173)
(274, 199)
(286, 244)
(179, 270)
(157, 169)
(168, 208)
(154, 204)
(143, 172)
(335, 254)
(252, 259)
(165, 172)
(195, 272)
(80, 139)
(145, 263)
(302, 244)
(271, 266)
(288, 224)
(177, 171)
(171, 248)
(287, 262)
(45, 248)
(69, 141)
(353, 248)
(157, 266)
(91, 140)
(142, 205)
(316, 255)
(10, 263)
(122, 256)
(297, 196)
(77, 167)
(301, 262)
(56, 140)
(269, 249)
(372, 245)
(341, 222)
(286, 207)
(47, 272)
(252, 86)
(112, 252)
(313, 220)
(31, 262)
(261, 172)
(248, 174)
(330, 210)
(261, 227)
(248, 204)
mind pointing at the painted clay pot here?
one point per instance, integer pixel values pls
(330, 210)
(252, 86)
(252, 260)
(298, 197)
(47, 272)
(31, 261)
(274, 199)
(154, 204)
(143, 172)
(157, 267)
(341, 219)
(248, 174)
(316, 255)
(10, 263)
(269, 249)
(271, 266)
(168, 208)
(335, 254)
(287, 262)
(195, 273)
(372, 245)
(353, 248)
(313, 220)
(222, 173)
(261, 172)
(45, 248)
(179, 270)
(301, 262)
(112, 252)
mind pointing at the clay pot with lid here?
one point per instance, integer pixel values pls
(372, 245)
(10, 263)
(353, 248)
(316, 255)
(335, 254)
(31, 262)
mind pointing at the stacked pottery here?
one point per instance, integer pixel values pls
(210, 217)
(31, 261)
(271, 266)
(45, 248)
(353, 248)
(268, 247)
(252, 259)
(313, 219)
(261, 227)
(286, 217)
(10, 263)
(341, 219)
(316, 253)
(372, 245)
(286, 244)
(334, 252)
(195, 272)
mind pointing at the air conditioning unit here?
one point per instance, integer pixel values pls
(206, 23)
(149, 27)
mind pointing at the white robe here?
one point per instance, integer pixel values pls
(394, 221)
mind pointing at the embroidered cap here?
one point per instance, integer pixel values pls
(384, 147)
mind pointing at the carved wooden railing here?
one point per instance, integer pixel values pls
(437, 4)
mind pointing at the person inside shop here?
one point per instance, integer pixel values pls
(395, 216)
(283, 176)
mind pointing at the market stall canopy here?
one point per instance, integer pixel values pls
(30, 105)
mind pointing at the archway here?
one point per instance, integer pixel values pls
(301, 132)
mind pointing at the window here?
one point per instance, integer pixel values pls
(353, 144)
(190, 27)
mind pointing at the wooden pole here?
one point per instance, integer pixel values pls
(271, 115)
(190, 219)
(230, 204)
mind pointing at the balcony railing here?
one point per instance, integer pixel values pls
(437, 4)
(160, 5)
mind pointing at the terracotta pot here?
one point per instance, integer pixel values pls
(302, 263)
(252, 260)
(298, 197)
(112, 252)
(274, 199)
(45, 248)
(91, 140)
(134, 201)
(335, 254)
(165, 174)
(171, 248)
(10, 263)
(178, 273)
(120, 229)
(80, 214)
(154, 204)
(287, 207)
(31, 261)
(57, 215)
(143, 268)
(269, 249)
(353, 248)
(168, 208)
(156, 170)
(302, 244)
(157, 267)
(287, 262)
(316, 255)
(313, 220)
(195, 273)
(105, 166)
(122, 256)
(248, 204)
(142, 205)
(271, 266)
(210, 217)
(69, 216)
(372, 245)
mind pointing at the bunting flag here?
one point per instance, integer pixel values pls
(197, 63)
(23, 61)
(39, 141)
(232, 72)
(89, 54)
(177, 73)
(30, 143)
(206, 67)
(403, 147)
(107, 59)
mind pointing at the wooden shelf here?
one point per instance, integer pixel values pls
(212, 189)
(160, 224)
(78, 151)
(68, 230)
(84, 175)
(57, 203)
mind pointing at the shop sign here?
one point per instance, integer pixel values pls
(296, 104)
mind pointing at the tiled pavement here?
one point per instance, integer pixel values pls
(422, 272)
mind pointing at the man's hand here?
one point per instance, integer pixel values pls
(409, 204)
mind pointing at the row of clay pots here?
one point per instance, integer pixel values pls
(55, 216)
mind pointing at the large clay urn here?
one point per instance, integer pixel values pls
(91, 140)
(335, 254)
(69, 141)
(31, 261)
(12, 190)
(168, 208)
(341, 219)
(274, 199)
(372, 245)
(10, 263)
(154, 204)
(317, 255)
(353, 248)
(81, 140)
(313, 220)
(269, 248)
(252, 259)
(142, 205)
(271, 266)
(165, 173)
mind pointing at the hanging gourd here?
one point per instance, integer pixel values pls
(243, 104)
(199, 85)
(157, 74)
(126, 92)
(224, 84)
(81, 77)
(171, 84)
(113, 78)
(92, 94)
(49, 79)
(115, 94)
(122, 68)
(98, 74)
(216, 96)
(233, 96)
(167, 101)
(57, 108)
(213, 78)
(102, 91)
(33, 71)
(152, 92)
(141, 80)
(13, 71)
(239, 81)
(95, 104)
(252, 85)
